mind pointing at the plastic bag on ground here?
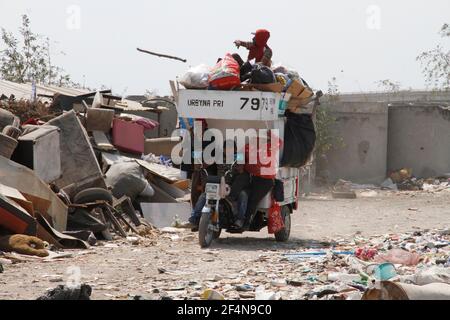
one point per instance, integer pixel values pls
(398, 256)
(196, 77)
(432, 275)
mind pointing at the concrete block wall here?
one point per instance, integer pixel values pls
(363, 129)
(419, 138)
(414, 132)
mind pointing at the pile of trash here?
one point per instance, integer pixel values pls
(403, 180)
(70, 179)
(389, 267)
(231, 73)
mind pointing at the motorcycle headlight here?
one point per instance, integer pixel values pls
(212, 188)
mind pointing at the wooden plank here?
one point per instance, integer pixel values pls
(161, 196)
(183, 184)
(40, 205)
(121, 217)
(102, 141)
(172, 190)
(115, 222)
(127, 207)
(11, 192)
(169, 174)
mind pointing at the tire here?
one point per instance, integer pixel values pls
(93, 195)
(283, 235)
(205, 235)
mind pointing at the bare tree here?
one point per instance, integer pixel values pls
(388, 85)
(436, 63)
(29, 59)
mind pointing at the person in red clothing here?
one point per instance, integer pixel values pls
(258, 48)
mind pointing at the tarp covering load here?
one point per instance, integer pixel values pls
(299, 140)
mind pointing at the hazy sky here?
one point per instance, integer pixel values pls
(358, 41)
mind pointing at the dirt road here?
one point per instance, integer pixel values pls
(177, 267)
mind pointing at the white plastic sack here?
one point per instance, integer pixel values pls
(433, 275)
(196, 77)
(289, 72)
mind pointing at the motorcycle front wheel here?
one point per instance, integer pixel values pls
(206, 234)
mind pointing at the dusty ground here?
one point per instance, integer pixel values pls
(177, 266)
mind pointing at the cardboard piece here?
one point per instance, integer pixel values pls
(183, 184)
(161, 146)
(172, 190)
(307, 93)
(18, 198)
(169, 174)
(21, 200)
(99, 119)
(40, 205)
(25, 180)
(296, 88)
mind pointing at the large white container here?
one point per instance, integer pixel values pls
(231, 105)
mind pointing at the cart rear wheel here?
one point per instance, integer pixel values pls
(284, 234)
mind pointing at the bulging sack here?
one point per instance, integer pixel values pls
(299, 140)
(225, 75)
(196, 77)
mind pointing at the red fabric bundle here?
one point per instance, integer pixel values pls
(275, 221)
(226, 74)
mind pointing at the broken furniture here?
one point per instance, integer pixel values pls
(99, 119)
(40, 151)
(25, 180)
(128, 136)
(78, 162)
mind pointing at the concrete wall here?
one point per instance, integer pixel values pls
(363, 128)
(419, 138)
(401, 96)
